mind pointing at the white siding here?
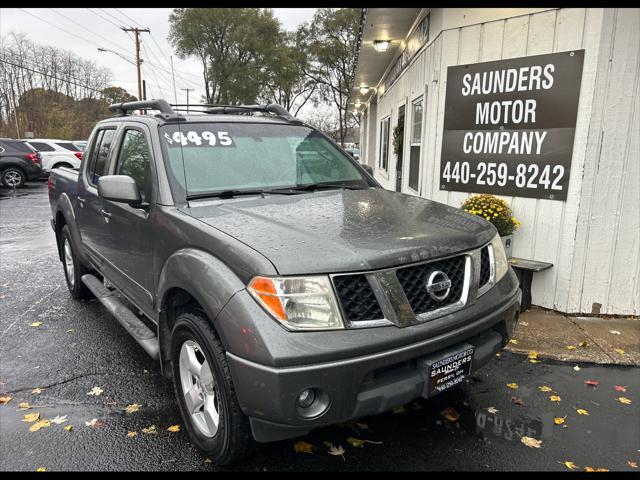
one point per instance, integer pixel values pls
(593, 238)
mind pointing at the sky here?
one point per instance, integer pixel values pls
(84, 30)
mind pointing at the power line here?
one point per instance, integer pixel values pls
(103, 18)
(126, 16)
(52, 76)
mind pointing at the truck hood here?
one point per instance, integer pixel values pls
(344, 230)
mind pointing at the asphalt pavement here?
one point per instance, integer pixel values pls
(54, 351)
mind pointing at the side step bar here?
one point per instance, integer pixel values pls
(136, 328)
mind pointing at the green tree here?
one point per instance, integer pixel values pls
(287, 84)
(117, 95)
(332, 41)
(236, 47)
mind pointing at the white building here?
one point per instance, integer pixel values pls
(583, 214)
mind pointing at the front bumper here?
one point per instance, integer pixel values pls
(363, 384)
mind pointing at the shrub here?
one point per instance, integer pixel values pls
(493, 209)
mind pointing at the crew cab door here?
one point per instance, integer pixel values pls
(92, 221)
(128, 247)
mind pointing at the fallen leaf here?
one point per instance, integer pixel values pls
(576, 368)
(68, 428)
(571, 347)
(602, 469)
(620, 388)
(525, 324)
(364, 426)
(359, 443)
(570, 465)
(531, 442)
(589, 469)
(632, 464)
(37, 391)
(150, 429)
(559, 420)
(582, 411)
(498, 354)
(94, 422)
(131, 434)
(619, 350)
(615, 332)
(41, 469)
(35, 324)
(514, 341)
(335, 451)
(398, 410)
(555, 398)
(450, 414)
(39, 424)
(24, 406)
(544, 388)
(134, 407)
(584, 344)
(591, 383)
(208, 460)
(533, 360)
(31, 417)
(174, 428)
(95, 391)
(4, 399)
(71, 330)
(492, 410)
(303, 447)
(624, 400)
(415, 405)
(512, 385)
(517, 400)
(533, 355)
(58, 420)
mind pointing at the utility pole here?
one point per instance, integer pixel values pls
(187, 90)
(137, 31)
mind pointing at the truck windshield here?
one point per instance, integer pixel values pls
(210, 158)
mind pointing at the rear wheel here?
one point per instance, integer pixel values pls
(204, 388)
(73, 267)
(13, 177)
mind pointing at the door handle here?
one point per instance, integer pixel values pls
(105, 214)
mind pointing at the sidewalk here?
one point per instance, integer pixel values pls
(595, 339)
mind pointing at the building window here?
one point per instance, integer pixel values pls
(416, 143)
(384, 144)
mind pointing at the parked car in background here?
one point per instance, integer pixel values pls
(354, 152)
(56, 153)
(19, 163)
(80, 144)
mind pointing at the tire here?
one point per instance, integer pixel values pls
(230, 440)
(73, 267)
(13, 177)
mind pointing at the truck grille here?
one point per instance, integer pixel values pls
(414, 280)
(485, 266)
(357, 298)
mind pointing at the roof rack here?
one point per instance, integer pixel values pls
(166, 111)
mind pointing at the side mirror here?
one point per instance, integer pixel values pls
(119, 188)
(368, 169)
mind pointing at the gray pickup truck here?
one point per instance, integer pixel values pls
(279, 286)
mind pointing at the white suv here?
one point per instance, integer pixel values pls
(56, 153)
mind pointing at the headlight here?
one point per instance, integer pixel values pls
(499, 257)
(299, 303)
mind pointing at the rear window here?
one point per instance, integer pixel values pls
(42, 147)
(68, 145)
(16, 145)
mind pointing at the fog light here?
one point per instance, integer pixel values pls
(306, 398)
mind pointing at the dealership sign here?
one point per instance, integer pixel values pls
(509, 125)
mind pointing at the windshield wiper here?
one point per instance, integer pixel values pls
(318, 186)
(236, 193)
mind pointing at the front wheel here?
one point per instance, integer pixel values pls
(13, 177)
(204, 389)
